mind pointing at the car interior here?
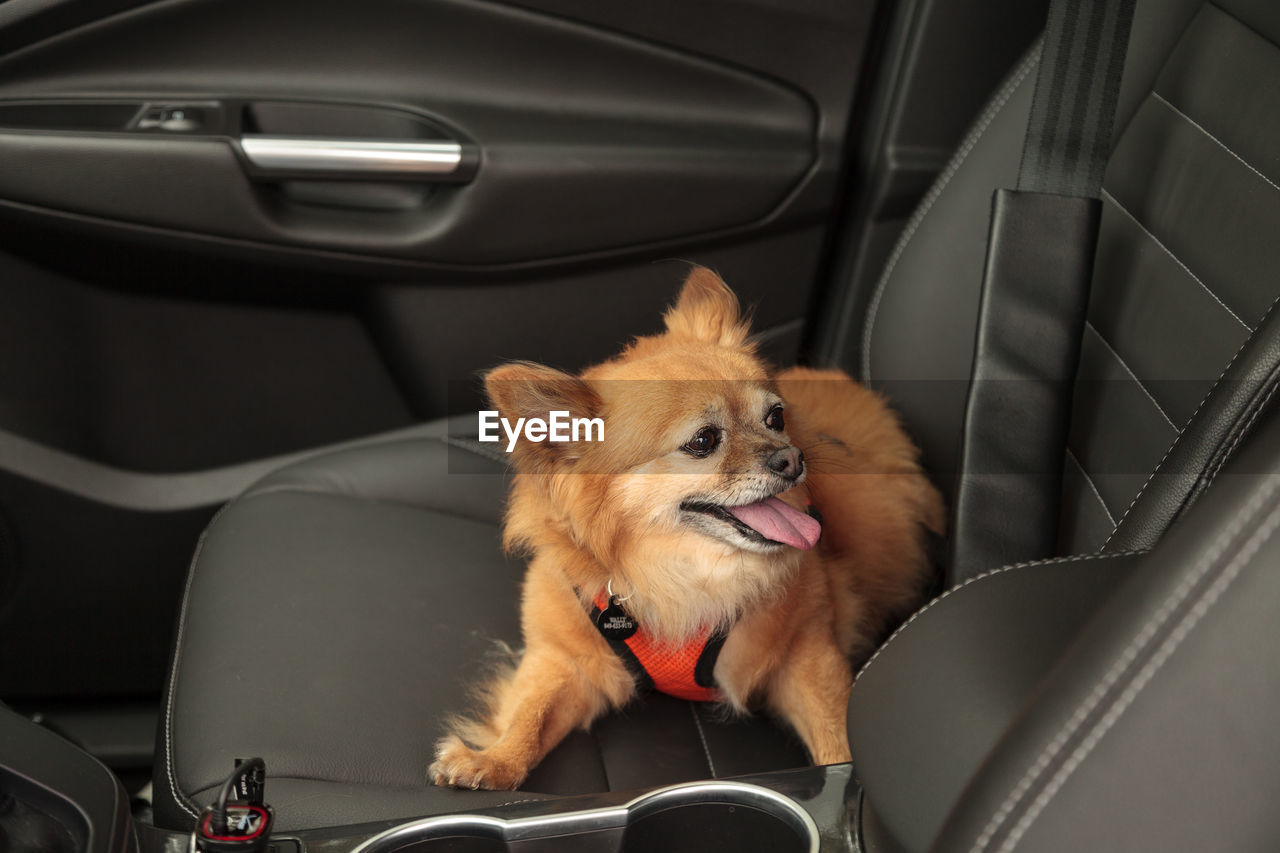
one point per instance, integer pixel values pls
(254, 257)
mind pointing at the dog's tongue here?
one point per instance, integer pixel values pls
(773, 519)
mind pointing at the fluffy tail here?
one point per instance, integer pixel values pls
(866, 480)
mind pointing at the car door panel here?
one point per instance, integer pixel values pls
(586, 141)
(173, 311)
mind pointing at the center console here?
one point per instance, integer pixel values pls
(807, 810)
(56, 798)
(698, 816)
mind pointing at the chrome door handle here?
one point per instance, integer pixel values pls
(372, 158)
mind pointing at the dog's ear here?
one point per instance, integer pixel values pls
(522, 389)
(708, 311)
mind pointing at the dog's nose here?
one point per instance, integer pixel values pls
(787, 462)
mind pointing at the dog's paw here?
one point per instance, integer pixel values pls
(459, 766)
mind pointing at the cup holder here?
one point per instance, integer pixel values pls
(700, 816)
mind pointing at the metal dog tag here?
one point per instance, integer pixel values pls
(614, 622)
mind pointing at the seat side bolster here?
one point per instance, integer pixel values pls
(1169, 696)
(442, 470)
(937, 695)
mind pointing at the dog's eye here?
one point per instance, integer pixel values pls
(774, 420)
(707, 440)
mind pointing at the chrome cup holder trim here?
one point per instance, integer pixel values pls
(591, 820)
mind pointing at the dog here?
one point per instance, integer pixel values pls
(684, 552)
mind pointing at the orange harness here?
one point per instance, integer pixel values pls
(686, 672)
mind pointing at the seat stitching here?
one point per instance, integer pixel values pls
(1235, 442)
(1170, 645)
(1176, 259)
(1191, 419)
(926, 204)
(1139, 641)
(702, 736)
(1137, 645)
(1092, 487)
(1097, 555)
(1162, 99)
(170, 771)
(1089, 325)
(527, 800)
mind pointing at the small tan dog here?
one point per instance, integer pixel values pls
(678, 553)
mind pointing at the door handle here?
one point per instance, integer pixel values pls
(302, 157)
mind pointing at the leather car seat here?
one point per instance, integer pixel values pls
(340, 607)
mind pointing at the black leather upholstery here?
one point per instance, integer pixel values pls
(1184, 278)
(1156, 730)
(319, 603)
(917, 340)
(1010, 715)
(935, 698)
(1183, 275)
(342, 607)
(1121, 701)
(1025, 354)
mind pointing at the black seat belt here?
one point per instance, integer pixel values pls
(1034, 294)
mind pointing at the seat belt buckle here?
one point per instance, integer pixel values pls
(247, 830)
(238, 820)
